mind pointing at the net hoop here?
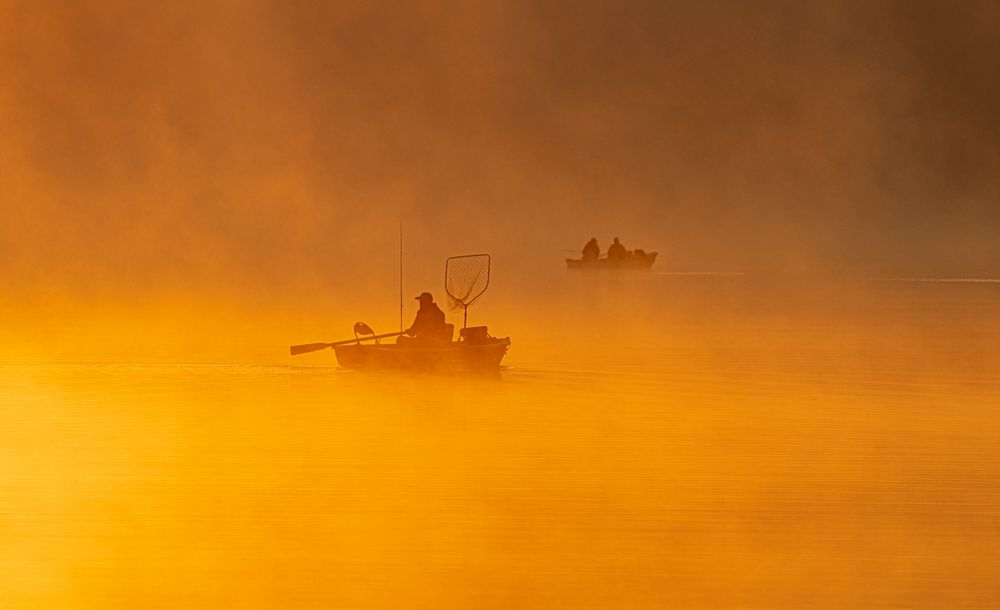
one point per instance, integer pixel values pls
(466, 278)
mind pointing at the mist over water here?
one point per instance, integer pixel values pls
(252, 148)
(655, 440)
(794, 408)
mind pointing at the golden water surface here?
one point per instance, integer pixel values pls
(726, 451)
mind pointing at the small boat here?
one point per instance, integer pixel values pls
(480, 354)
(632, 261)
(466, 279)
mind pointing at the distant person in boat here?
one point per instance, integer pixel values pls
(429, 323)
(591, 250)
(616, 251)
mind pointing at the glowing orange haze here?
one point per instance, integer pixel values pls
(185, 184)
(738, 447)
(259, 148)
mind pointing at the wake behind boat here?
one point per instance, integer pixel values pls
(428, 344)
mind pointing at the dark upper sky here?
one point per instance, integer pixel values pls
(218, 141)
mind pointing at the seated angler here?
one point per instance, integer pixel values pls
(616, 251)
(429, 323)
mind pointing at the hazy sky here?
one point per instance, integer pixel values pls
(261, 143)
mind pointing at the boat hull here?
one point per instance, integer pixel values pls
(632, 262)
(450, 356)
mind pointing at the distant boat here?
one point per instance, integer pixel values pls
(632, 261)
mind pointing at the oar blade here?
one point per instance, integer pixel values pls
(295, 350)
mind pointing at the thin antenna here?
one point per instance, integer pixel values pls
(401, 276)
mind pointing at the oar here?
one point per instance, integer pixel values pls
(295, 350)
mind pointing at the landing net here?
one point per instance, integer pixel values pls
(466, 279)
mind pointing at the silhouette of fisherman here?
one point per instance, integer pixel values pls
(591, 250)
(616, 251)
(429, 323)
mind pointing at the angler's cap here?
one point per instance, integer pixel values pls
(425, 296)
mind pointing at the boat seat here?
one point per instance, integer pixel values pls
(475, 335)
